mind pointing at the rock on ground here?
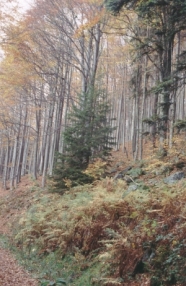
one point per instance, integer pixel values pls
(174, 178)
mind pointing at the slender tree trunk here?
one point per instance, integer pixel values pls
(142, 111)
(5, 171)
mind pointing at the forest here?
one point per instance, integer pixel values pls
(81, 81)
(133, 52)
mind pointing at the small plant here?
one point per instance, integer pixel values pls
(57, 282)
(180, 125)
(96, 169)
(66, 177)
(135, 172)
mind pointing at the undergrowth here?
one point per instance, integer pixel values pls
(108, 238)
(105, 234)
(54, 269)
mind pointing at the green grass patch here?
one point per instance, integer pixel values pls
(52, 269)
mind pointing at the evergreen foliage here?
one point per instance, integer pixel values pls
(87, 137)
(180, 125)
(116, 5)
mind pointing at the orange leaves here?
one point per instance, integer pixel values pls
(16, 70)
(90, 13)
(96, 169)
(91, 22)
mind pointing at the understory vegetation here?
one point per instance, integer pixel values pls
(106, 232)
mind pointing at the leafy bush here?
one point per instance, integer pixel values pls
(97, 169)
(65, 178)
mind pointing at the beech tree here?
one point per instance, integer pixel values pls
(61, 49)
(165, 19)
(54, 55)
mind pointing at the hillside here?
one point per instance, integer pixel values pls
(79, 79)
(120, 230)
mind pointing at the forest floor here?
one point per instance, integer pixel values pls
(13, 205)
(78, 236)
(11, 273)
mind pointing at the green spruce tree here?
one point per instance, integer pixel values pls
(87, 137)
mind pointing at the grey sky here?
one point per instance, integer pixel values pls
(25, 4)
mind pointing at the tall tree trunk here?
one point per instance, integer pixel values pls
(142, 110)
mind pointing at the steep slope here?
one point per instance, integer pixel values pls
(121, 230)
